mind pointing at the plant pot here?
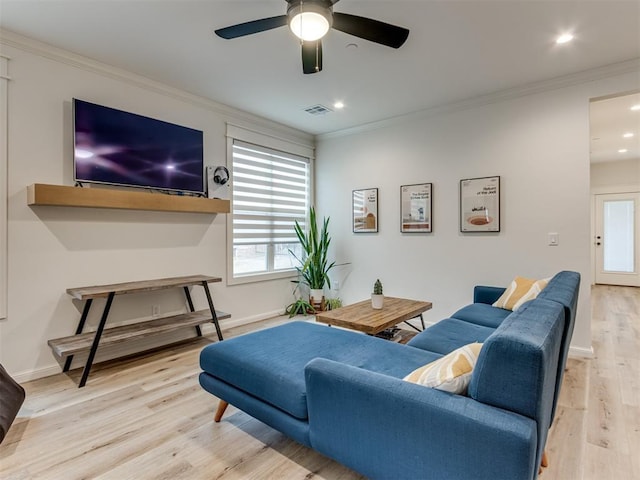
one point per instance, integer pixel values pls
(316, 294)
(316, 298)
(377, 301)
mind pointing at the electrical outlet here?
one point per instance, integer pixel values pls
(155, 310)
(554, 239)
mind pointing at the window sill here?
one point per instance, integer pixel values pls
(261, 277)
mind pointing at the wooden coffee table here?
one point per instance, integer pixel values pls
(363, 318)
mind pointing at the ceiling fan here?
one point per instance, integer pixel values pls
(310, 20)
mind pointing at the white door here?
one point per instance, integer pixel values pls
(617, 239)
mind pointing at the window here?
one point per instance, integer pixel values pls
(271, 191)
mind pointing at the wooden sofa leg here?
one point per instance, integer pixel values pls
(544, 462)
(222, 406)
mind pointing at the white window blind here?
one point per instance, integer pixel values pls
(270, 192)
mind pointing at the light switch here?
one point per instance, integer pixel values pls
(554, 239)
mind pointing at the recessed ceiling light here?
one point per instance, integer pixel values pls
(623, 150)
(564, 38)
(338, 105)
(635, 108)
(628, 135)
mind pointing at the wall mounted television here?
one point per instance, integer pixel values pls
(120, 148)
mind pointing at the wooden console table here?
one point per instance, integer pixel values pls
(66, 347)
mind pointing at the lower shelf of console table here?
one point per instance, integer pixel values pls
(66, 347)
(63, 347)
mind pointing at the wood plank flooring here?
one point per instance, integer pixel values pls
(147, 418)
(596, 432)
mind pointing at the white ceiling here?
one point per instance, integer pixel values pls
(456, 50)
(611, 119)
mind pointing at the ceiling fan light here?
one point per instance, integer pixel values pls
(309, 22)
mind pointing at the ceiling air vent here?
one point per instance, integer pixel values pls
(318, 110)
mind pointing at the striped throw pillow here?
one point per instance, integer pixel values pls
(519, 291)
(451, 373)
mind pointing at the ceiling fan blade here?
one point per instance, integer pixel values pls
(312, 56)
(249, 28)
(370, 29)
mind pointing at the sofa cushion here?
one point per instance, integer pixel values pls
(448, 334)
(269, 364)
(520, 290)
(482, 314)
(450, 373)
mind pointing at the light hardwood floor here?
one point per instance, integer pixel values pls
(148, 418)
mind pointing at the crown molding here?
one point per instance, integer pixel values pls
(59, 55)
(232, 114)
(585, 76)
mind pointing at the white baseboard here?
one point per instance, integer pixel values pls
(581, 352)
(247, 320)
(55, 369)
(209, 329)
(574, 352)
(35, 374)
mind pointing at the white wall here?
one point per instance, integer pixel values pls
(538, 144)
(618, 174)
(53, 248)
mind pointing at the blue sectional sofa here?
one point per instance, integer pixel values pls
(342, 394)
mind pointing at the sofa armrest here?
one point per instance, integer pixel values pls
(486, 294)
(384, 427)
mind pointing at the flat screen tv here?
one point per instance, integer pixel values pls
(120, 148)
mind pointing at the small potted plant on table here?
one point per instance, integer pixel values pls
(377, 298)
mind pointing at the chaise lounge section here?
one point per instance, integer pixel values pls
(342, 393)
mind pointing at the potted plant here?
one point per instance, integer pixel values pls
(377, 298)
(299, 307)
(333, 303)
(314, 266)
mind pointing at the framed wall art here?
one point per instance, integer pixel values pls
(480, 204)
(365, 210)
(415, 208)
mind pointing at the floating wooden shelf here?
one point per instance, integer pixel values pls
(65, 196)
